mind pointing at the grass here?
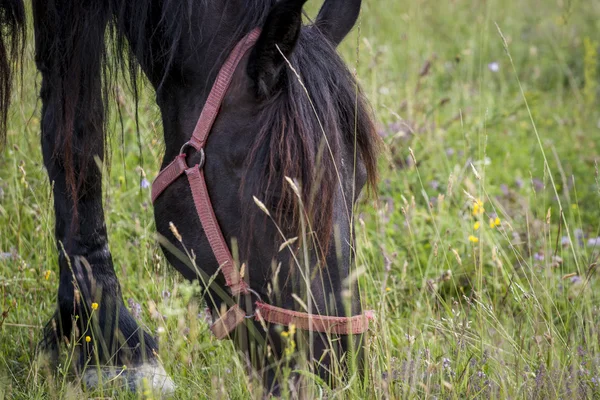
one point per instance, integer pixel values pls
(490, 114)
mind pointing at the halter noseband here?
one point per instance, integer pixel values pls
(233, 317)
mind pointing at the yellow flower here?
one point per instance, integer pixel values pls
(47, 274)
(473, 239)
(478, 207)
(494, 222)
(88, 339)
(477, 225)
(290, 332)
(94, 306)
(387, 289)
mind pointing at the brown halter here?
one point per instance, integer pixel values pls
(233, 317)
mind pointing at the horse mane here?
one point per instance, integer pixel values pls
(318, 110)
(12, 47)
(97, 62)
(290, 142)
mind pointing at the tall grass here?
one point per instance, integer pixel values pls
(479, 256)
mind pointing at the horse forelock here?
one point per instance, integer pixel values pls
(302, 135)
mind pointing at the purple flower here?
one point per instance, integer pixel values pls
(446, 363)
(579, 236)
(593, 242)
(136, 308)
(538, 185)
(519, 183)
(539, 256)
(145, 184)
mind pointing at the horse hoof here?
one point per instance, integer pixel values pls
(150, 377)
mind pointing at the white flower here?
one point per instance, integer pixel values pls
(494, 66)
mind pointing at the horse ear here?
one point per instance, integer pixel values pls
(337, 18)
(279, 36)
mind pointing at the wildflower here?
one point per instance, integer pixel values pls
(136, 308)
(494, 66)
(94, 306)
(576, 279)
(494, 222)
(519, 183)
(47, 274)
(446, 363)
(387, 289)
(478, 207)
(477, 225)
(145, 184)
(538, 185)
(290, 332)
(88, 339)
(593, 242)
(473, 239)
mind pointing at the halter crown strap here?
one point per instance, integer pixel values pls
(234, 316)
(208, 115)
(219, 89)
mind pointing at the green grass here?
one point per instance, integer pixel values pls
(505, 312)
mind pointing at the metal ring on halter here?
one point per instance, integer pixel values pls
(201, 151)
(253, 292)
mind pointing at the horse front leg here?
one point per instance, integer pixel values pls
(90, 309)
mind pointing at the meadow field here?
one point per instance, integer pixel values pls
(479, 253)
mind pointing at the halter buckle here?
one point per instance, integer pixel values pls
(187, 145)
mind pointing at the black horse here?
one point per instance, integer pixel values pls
(293, 111)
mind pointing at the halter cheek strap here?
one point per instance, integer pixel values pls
(234, 316)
